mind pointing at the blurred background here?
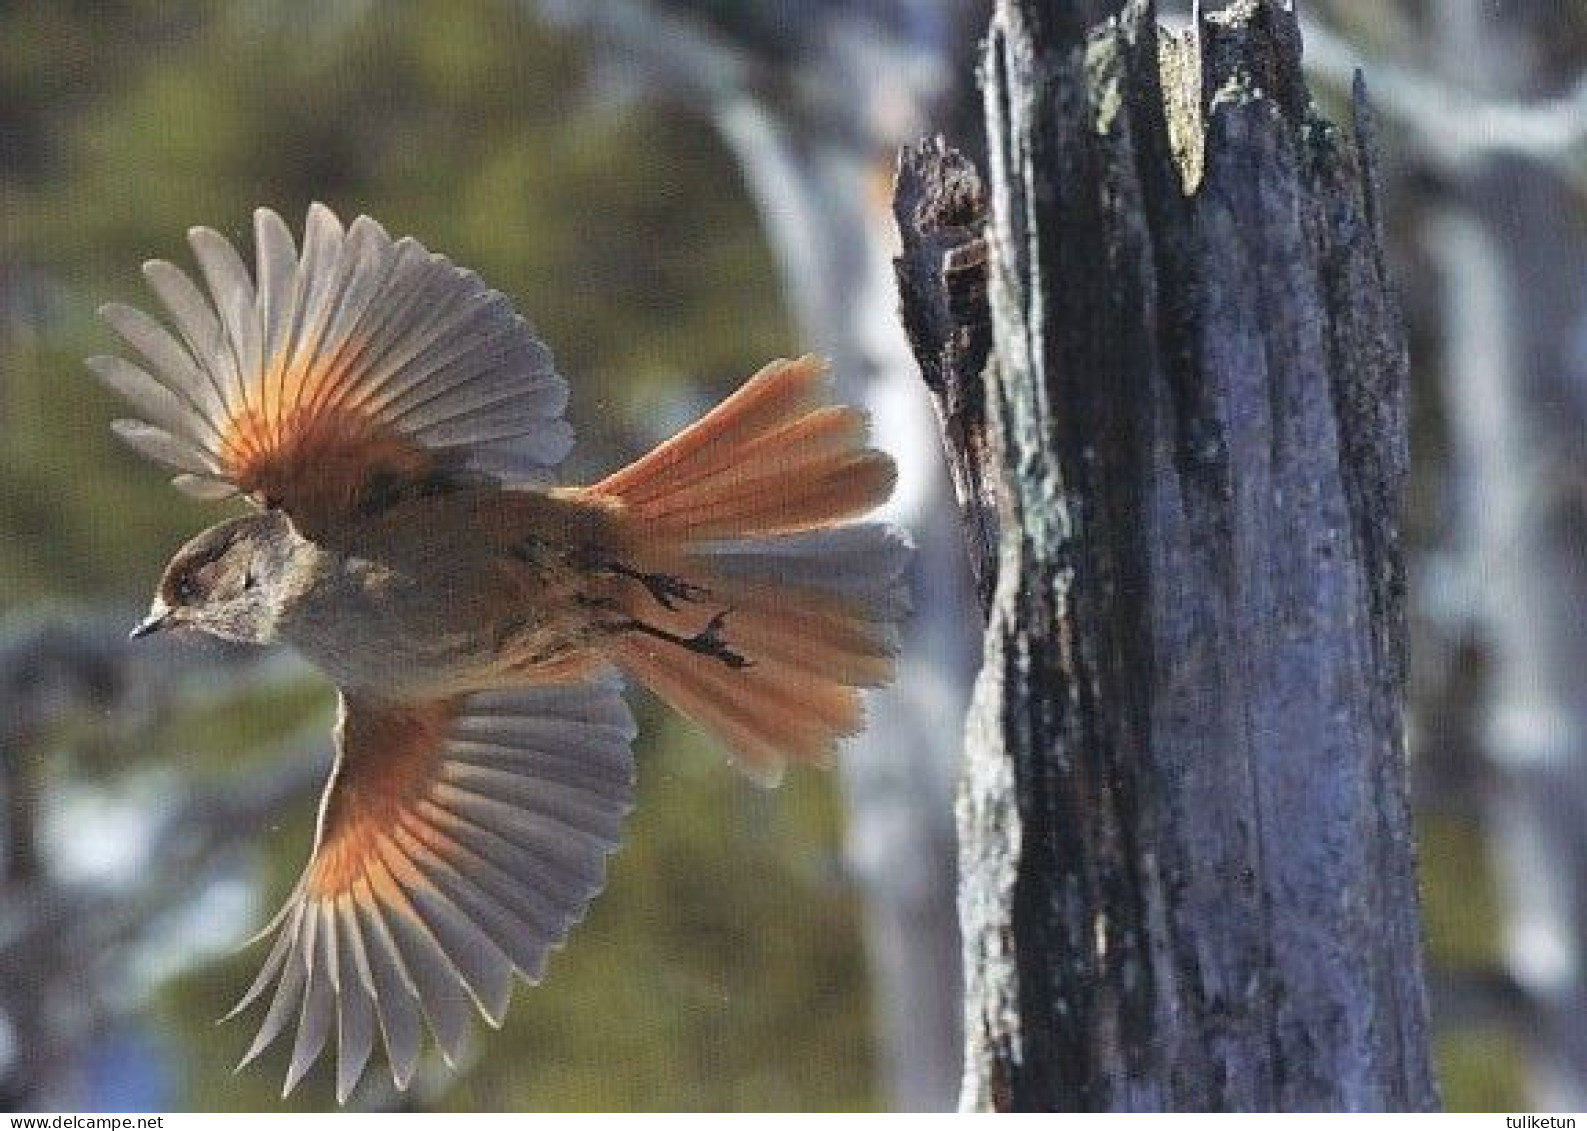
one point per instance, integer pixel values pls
(674, 191)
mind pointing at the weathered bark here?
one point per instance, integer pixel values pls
(1186, 862)
(939, 204)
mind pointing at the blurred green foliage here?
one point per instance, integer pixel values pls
(722, 967)
(1459, 911)
(1482, 1067)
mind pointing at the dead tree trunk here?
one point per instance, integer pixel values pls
(1187, 875)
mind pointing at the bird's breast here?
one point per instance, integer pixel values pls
(425, 624)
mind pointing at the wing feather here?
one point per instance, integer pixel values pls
(167, 410)
(170, 364)
(335, 379)
(319, 284)
(485, 970)
(512, 922)
(289, 988)
(268, 974)
(277, 256)
(162, 447)
(318, 1014)
(195, 320)
(439, 873)
(355, 1001)
(237, 304)
(439, 987)
(396, 1000)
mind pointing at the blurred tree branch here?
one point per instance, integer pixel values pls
(814, 97)
(1456, 127)
(57, 933)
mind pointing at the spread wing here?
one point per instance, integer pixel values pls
(458, 842)
(334, 380)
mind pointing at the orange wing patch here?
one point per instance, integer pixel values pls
(389, 758)
(458, 843)
(320, 466)
(360, 369)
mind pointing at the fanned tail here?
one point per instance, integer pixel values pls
(761, 608)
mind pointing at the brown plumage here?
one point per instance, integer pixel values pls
(397, 423)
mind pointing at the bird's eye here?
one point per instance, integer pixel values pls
(186, 590)
(249, 581)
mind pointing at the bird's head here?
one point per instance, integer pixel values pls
(227, 581)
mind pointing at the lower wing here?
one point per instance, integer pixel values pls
(458, 843)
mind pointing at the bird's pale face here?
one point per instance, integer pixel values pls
(223, 583)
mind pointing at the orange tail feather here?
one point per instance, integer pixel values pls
(751, 507)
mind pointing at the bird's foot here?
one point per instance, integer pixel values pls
(707, 642)
(664, 588)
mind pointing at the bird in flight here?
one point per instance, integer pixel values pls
(397, 425)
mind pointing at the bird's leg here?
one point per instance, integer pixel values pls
(707, 642)
(664, 588)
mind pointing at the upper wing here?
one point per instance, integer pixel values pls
(339, 378)
(457, 842)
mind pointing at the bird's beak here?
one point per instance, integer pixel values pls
(158, 616)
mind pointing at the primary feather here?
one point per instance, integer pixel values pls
(364, 358)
